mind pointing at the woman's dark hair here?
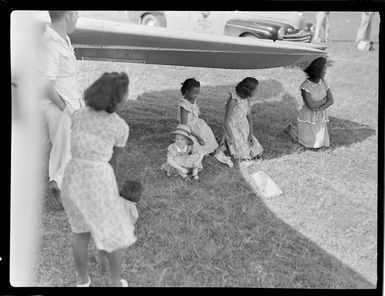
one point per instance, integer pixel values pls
(189, 84)
(315, 68)
(245, 88)
(107, 91)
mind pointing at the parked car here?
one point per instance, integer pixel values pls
(274, 25)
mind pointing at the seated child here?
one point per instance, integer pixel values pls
(181, 156)
(130, 193)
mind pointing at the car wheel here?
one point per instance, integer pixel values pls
(151, 20)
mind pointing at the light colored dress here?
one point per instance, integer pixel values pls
(240, 128)
(198, 126)
(312, 125)
(90, 192)
(186, 158)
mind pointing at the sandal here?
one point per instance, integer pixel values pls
(86, 284)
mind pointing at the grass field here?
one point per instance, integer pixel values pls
(322, 233)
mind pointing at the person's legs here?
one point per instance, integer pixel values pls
(115, 264)
(61, 147)
(52, 115)
(327, 28)
(362, 30)
(102, 261)
(318, 27)
(80, 251)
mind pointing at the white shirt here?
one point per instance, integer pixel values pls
(57, 62)
(183, 150)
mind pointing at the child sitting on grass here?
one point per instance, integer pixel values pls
(181, 155)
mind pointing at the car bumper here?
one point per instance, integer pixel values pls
(298, 37)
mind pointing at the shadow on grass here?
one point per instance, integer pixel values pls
(218, 232)
(215, 232)
(154, 116)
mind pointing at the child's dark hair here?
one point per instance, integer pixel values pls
(246, 87)
(315, 68)
(107, 91)
(132, 190)
(189, 84)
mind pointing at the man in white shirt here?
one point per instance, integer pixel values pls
(57, 62)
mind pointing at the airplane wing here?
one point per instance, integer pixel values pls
(114, 41)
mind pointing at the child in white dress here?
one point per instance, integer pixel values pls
(188, 114)
(181, 155)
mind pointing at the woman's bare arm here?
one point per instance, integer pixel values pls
(229, 109)
(329, 101)
(310, 103)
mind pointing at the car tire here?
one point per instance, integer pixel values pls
(152, 20)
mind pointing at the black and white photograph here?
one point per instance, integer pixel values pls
(188, 148)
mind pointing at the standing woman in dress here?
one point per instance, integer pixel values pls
(238, 125)
(312, 119)
(90, 192)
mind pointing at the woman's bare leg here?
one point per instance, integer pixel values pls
(115, 264)
(80, 251)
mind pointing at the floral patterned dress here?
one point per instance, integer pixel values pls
(90, 192)
(312, 125)
(198, 126)
(240, 128)
(186, 158)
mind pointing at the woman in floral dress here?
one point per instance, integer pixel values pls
(90, 192)
(239, 124)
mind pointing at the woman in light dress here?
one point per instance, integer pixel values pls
(90, 192)
(238, 124)
(312, 119)
(188, 114)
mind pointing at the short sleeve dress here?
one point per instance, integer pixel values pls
(312, 125)
(198, 126)
(90, 192)
(240, 128)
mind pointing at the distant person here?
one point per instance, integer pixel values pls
(90, 192)
(182, 155)
(188, 114)
(238, 123)
(312, 119)
(322, 27)
(364, 31)
(57, 63)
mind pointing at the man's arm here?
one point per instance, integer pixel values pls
(49, 66)
(54, 97)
